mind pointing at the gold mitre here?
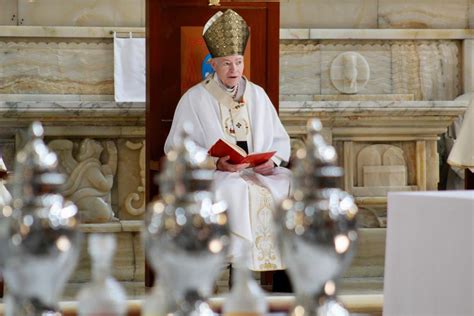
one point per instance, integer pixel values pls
(226, 34)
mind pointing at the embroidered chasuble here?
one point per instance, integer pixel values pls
(251, 122)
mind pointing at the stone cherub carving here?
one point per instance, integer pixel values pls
(89, 180)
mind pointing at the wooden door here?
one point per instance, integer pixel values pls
(165, 21)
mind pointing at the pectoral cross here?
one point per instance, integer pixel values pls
(214, 2)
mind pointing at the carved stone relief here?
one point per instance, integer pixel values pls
(422, 70)
(137, 197)
(376, 54)
(428, 69)
(349, 72)
(405, 69)
(381, 165)
(90, 174)
(131, 179)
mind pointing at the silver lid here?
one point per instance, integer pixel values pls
(187, 168)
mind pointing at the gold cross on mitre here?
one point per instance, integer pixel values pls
(214, 2)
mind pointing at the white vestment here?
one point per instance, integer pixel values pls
(251, 196)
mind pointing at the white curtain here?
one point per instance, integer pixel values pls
(129, 69)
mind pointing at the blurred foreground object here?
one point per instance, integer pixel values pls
(104, 295)
(316, 228)
(186, 232)
(44, 241)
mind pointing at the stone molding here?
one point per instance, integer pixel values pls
(376, 34)
(285, 33)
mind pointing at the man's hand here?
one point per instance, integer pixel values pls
(223, 165)
(265, 168)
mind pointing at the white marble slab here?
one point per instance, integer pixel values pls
(55, 97)
(66, 31)
(435, 14)
(300, 69)
(285, 33)
(471, 14)
(329, 14)
(294, 33)
(82, 12)
(31, 109)
(389, 34)
(468, 65)
(8, 12)
(361, 97)
(378, 56)
(52, 67)
(388, 105)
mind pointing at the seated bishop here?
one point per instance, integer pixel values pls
(226, 105)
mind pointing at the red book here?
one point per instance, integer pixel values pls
(237, 155)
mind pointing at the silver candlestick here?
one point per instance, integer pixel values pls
(44, 239)
(186, 230)
(316, 227)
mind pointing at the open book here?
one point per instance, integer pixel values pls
(237, 155)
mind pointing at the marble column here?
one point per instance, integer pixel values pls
(468, 65)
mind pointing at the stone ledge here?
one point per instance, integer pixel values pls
(113, 227)
(285, 33)
(66, 31)
(72, 113)
(376, 34)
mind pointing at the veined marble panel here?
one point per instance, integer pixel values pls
(82, 12)
(377, 55)
(56, 68)
(300, 69)
(436, 14)
(364, 97)
(471, 14)
(406, 69)
(364, 34)
(328, 14)
(468, 65)
(347, 97)
(428, 69)
(8, 12)
(439, 72)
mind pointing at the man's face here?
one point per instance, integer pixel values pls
(229, 69)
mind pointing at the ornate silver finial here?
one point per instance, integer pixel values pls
(187, 169)
(44, 240)
(316, 227)
(186, 231)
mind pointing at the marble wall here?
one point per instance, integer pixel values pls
(56, 67)
(8, 12)
(81, 12)
(328, 14)
(436, 14)
(417, 70)
(471, 14)
(468, 61)
(294, 13)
